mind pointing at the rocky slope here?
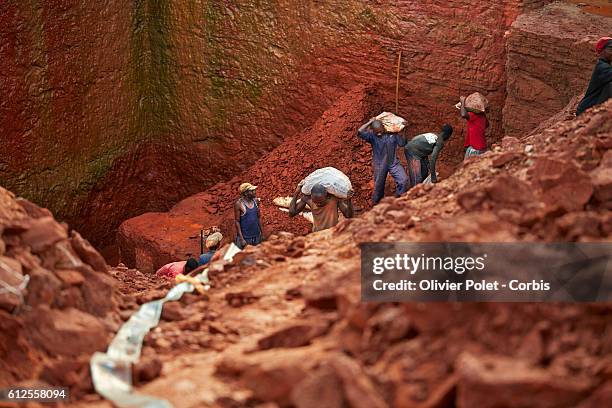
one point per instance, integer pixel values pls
(58, 301)
(284, 325)
(150, 240)
(108, 107)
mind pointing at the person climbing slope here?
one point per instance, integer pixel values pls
(384, 157)
(418, 152)
(600, 86)
(477, 124)
(249, 230)
(324, 206)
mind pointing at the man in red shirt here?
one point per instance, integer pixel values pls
(477, 124)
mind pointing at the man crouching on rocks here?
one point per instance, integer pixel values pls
(324, 206)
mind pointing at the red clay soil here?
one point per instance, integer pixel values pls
(284, 325)
(70, 305)
(151, 240)
(150, 121)
(598, 7)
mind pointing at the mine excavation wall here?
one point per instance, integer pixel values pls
(549, 62)
(110, 110)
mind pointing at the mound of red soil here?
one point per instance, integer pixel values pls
(67, 310)
(151, 240)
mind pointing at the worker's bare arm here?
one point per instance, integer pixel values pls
(261, 230)
(434, 158)
(298, 202)
(346, 208)
(237, 211)
(464, 112)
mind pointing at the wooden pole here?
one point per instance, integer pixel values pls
(399, 61)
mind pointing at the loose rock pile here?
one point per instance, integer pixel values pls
(284, 324)
(553, 186)
(50, 325)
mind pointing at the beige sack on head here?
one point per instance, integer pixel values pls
(336, 182)
(213, 239)
(391, 122)
(283, 202)
(476, 102)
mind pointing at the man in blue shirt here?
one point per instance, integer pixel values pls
(384, 157)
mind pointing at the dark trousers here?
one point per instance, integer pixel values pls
(380, 178)
(418, 169)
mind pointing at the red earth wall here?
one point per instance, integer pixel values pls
(550, 59)
(111, 111)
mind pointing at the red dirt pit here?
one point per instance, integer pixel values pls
(283, 324)
(175, 83)
(151, 240)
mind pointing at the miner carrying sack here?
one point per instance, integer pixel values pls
(422, 154)
(473, 109)
(325, 192)
(600, 86)
(383, 133)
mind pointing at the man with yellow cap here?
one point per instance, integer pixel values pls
(249, 230)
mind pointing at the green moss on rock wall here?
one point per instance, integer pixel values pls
(116, 108)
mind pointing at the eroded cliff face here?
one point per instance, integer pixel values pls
(549, 61)
(65, 102)
(110, 110)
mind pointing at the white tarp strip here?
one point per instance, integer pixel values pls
(111, 372)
